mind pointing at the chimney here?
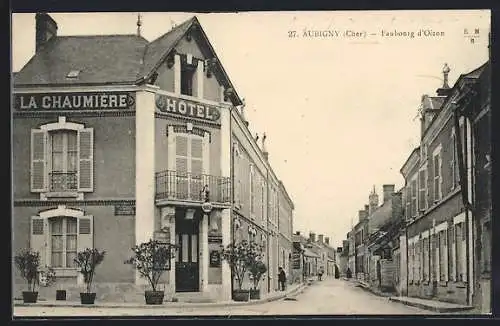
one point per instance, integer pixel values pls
(320, 238)
(362, 215)
(264, 149)
(312, 237)
(46, 29)
(327, 240)
(297, 232)
(367, 209)
(388, 192)
(445, 89)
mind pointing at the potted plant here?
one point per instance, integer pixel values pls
(87, 260)
(28, 262)
(257, 270)
(151, 259)
(240, 256)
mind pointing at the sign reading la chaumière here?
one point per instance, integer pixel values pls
(187, 108)
(75, 101)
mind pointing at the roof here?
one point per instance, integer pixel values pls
(309, 253)
(108, 59)
(380, 216)
(415, 152)
(100, 59)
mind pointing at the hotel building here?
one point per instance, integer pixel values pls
(118, 140)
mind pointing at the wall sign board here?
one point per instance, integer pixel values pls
(186, 108)
(125, 210)
(75, 101)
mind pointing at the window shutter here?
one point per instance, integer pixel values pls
(440, 177)
(181, 153)
(85, 232)
(171, 149)
(86, 160)
(39, 238)
(206, 153)
(39, 160)
(421, 193)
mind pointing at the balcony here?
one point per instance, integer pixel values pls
(181, 186)
(63, 181)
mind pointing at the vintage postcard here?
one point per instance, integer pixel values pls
(251, 163)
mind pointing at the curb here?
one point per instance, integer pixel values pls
(368, 289)
(431, 308)
(293, 292)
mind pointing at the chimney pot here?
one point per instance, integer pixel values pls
(312, 237)
(320, 238)
(297, 232)
(327, 240)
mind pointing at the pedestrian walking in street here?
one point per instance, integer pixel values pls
(320, 273)
(348, 273)
(281, 279)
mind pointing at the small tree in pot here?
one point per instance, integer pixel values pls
(240, 256)
(28, 262)
(87, 260)
(151, 259)
(257, 270)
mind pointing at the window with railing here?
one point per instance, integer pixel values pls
(62, 158)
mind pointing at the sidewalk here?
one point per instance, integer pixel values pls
(292, 291)
(433, 305)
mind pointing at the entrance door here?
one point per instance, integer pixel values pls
(187, 266)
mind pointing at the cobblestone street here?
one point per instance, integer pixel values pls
(328, 297)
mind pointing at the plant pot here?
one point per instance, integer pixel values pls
(30, 297)
(255, 294)
(61, 295)
(154, 297)
(241, 295)
(87, 298)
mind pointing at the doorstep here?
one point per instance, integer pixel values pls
(292, 291)
(433, 305)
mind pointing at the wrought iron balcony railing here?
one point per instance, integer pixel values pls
(63, 181)
(192, 187)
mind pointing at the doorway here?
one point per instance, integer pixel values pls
(187, 257)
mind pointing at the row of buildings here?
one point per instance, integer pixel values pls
(119, 140)
(312, 255)
(432, 238)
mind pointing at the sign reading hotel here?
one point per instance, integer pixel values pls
(75, 101)
(186, 108)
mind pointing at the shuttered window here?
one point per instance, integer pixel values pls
(451, 254)
(426, 269)
(59, 238)
(189, 159)
(454, 162)
(62, 160)
(443, 256)
(414, 198)
(437, 176)
(422, 189)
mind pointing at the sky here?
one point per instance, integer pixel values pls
(340, 113)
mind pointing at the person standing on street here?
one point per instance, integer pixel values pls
(281, 279)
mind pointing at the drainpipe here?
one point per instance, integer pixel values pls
(231, 168)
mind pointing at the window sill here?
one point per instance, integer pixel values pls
(65, 194)
(65, 272)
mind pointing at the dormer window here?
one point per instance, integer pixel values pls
(73, 74)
